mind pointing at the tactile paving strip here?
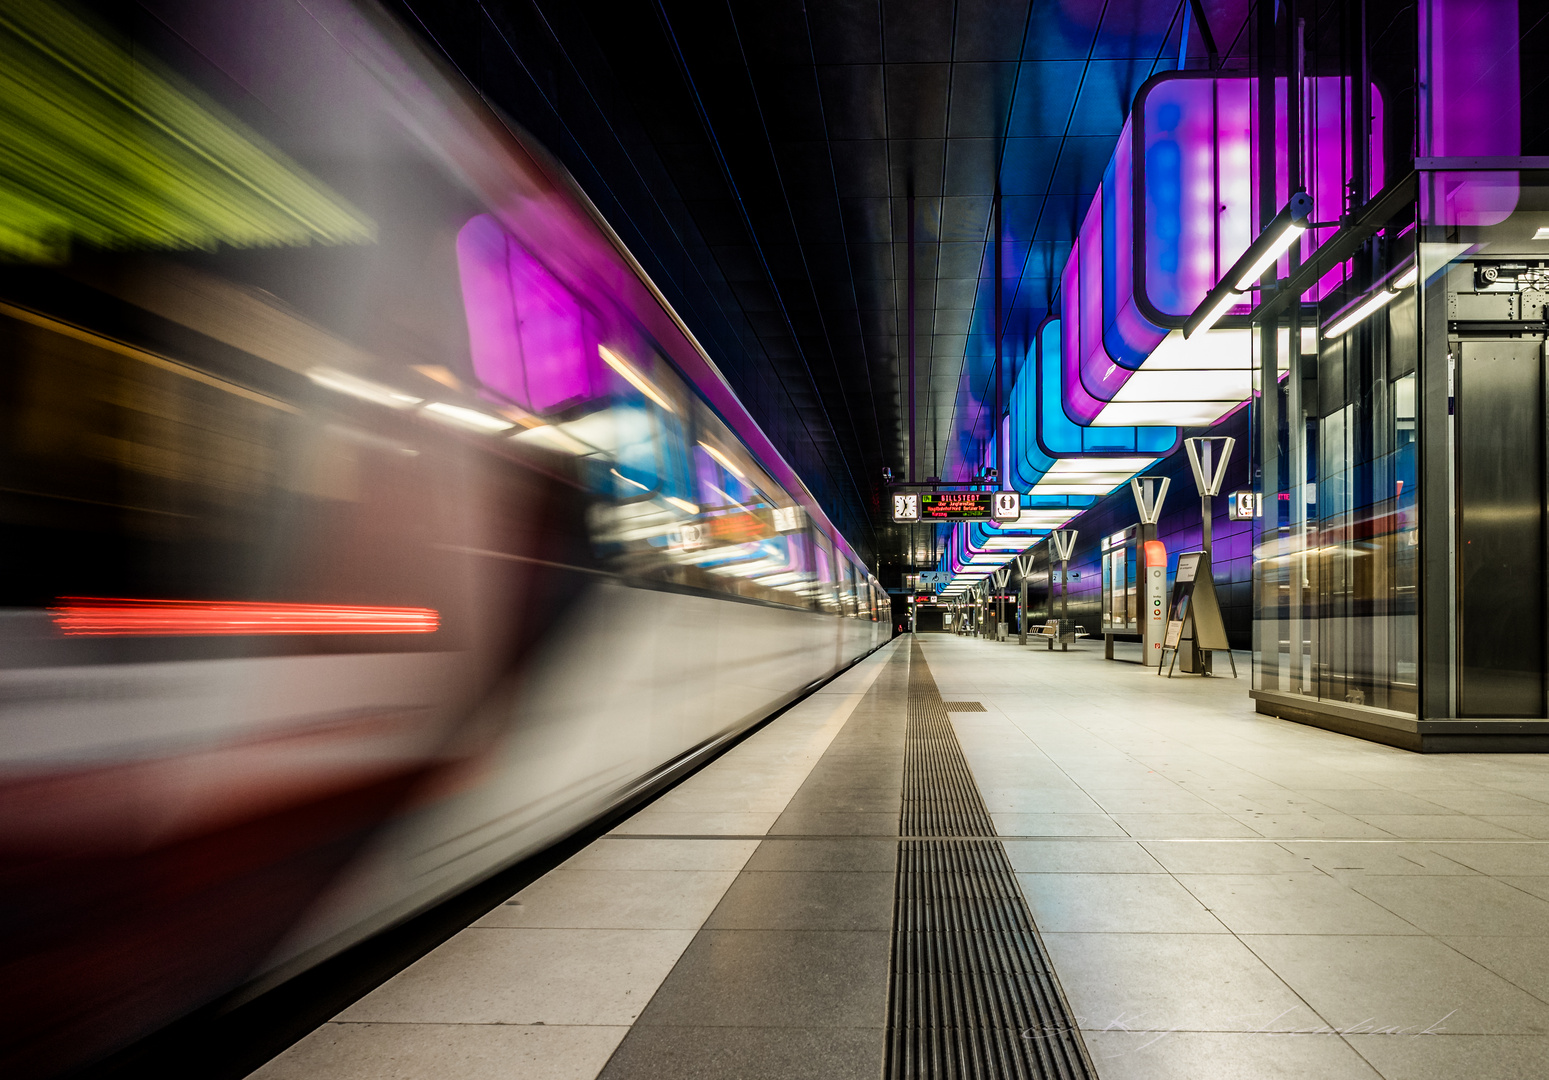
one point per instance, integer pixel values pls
(973, 994)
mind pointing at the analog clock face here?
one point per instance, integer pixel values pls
(906, 507)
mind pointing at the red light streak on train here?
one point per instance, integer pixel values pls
(88, 616)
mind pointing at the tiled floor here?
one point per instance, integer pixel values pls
(1228, 895)
(549, 984)
(1225, 896)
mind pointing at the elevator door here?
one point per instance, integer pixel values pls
(1500, 489)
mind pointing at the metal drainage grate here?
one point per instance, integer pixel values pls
(973, 994)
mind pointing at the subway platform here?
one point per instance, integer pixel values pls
(970, 858)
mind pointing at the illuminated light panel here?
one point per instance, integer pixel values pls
(469, 418)
(1180, 413)
(364, 389)
(555, 439)
(88, 616)
(1086, 466)
(633, 377)
(682, 504)
(1410, 276)
(1188, 382)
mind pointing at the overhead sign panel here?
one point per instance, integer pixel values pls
(957, 506)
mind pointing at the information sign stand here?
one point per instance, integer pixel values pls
(1194, 616)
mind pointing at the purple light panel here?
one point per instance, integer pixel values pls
(526, 331)
(1470, 106)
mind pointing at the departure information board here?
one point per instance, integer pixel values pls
(955, 505)
(1001, 506)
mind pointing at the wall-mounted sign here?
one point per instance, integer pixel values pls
(1244, 506)
(1007, 507)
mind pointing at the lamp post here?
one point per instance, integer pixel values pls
(1150, 493)
(1209, 465)
(1062, 545)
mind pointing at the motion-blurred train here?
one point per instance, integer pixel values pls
(369, 519)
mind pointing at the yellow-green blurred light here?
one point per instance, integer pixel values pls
(97, 146)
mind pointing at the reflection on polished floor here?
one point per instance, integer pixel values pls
(1222, 894)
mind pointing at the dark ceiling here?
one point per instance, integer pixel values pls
(757, 158)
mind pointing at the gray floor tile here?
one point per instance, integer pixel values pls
(1458, 905)
(1302, 826)
(1115, 904)
(1055, 825)
(1376, 801)
(1400, 984)
(775, 978)
(611, 853)
(528, 977)
(1498, 859)
(855, 800)
(1450, 827)
(1536, 826)
(1080, 857)
(1536, 886)
(1173, 982)
(1291, 904)
(1455, 1057)
(651, 821)
(1523, 961)
(792, 900)
(622, 899)
(812, 824)
(1168, 826)
(439, 1051)
(741, 1053)
(841, 853)
(1355, 860)
(1151, 799)
(1198, 1055)
(1227, 857)
(1484, 801)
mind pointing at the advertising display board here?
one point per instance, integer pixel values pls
(1194, 615)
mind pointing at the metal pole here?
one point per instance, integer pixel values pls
(1064, 602)
(1270, 613)
(1022, 611)
(1296, 415)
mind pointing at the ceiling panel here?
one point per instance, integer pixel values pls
(759, 153)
